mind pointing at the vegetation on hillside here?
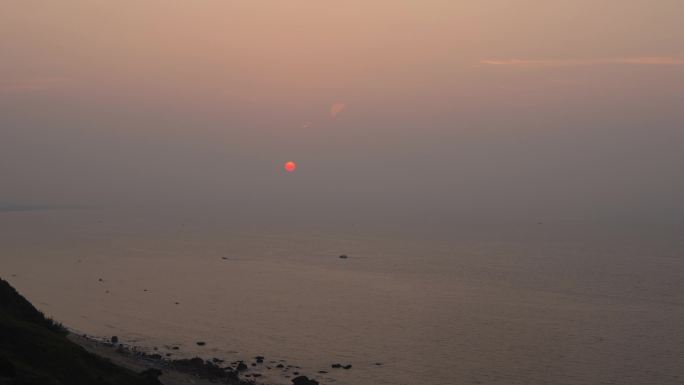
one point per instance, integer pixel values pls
(35, 350)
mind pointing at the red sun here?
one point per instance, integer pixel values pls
(290, 166)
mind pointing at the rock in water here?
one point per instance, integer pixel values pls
(303, 380)
(201, 343)
(114, 340)
(344, 256)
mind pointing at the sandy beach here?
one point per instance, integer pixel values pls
(139, 363)
(195, 371)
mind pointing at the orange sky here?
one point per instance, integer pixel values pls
(320, 44)
(434, 85)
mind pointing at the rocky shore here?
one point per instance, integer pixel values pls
(194, 370)
(36, 350)
(25, 333)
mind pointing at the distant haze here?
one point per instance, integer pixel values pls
(411, 109)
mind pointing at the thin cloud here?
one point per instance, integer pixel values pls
(28, 85)
(337, 109)
(639, 60)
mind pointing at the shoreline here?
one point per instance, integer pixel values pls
(183, 371)
(37, 350)
(137, 362)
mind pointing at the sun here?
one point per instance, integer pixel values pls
(290, 166)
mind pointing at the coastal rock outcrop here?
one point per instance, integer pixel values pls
(241, 367)
(200, 367)
(304, 380)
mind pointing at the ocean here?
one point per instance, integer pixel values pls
(565, 301)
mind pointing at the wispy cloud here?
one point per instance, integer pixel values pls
(543, 63)
(27, 85)
(337, 109)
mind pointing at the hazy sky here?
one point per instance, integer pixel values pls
(543, 108)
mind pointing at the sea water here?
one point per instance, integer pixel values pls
(508, 302)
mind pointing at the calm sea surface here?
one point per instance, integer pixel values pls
(557, 302)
